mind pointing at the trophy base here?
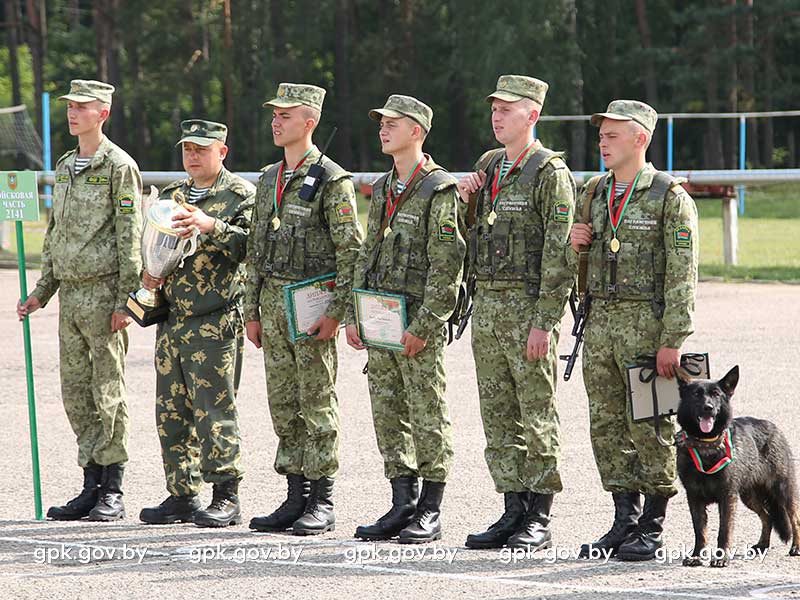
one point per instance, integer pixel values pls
(146, 315)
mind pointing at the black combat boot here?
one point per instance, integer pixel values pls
(318, 515)
(175, 509)
(224, 509)
(627, 509)
(405, 491)
(82, 504)
(642, 542)
(425, 525)
(290, 510)
(516, 505)
(109, 505)
(535, 531)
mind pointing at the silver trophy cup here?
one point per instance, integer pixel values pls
(163, 250)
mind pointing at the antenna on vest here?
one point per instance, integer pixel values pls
(315, 172)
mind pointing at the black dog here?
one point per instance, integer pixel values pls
(720, 458)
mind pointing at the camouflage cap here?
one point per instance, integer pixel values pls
(296, 94)
(87, 90)
(512, 88)
(202, 132)
(628, 110)
(398, 106)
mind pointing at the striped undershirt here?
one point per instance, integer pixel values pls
(287, 174)
(81, 163)
(620, 188)
(196, 194)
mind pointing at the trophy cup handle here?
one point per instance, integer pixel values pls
(147, 201)
(190, 246)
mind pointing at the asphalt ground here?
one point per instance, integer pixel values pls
(756, 326)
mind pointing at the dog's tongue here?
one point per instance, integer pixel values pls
(706, 424)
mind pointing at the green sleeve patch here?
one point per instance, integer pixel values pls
(447, 230)
(64, 178)
(682, 237)
(345, 212)
(561, 212)
(126, 204)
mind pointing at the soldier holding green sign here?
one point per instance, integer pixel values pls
(91, 256)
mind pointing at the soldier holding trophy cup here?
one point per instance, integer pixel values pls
(193, 245)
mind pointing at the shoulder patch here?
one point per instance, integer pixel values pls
(345, 212)
(561, 212)
(125, 204)
(447, 230)
(682, 237)
(62, 178)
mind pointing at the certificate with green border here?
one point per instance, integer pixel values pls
(305, 302)
(381, 318)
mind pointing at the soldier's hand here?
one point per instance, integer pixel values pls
(119, 321)
(253, 329)
(581, 235)
(351, 332)
(666, 361)
(30, 305)
(190, 217)
(151, 283)
(412, 345)
(538, 344)
(325, 328)
(470, 183)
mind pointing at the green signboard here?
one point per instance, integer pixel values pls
(19, 196)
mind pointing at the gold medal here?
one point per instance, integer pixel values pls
(614, 245)
(386, 232)
(276, 222)
(491, 218)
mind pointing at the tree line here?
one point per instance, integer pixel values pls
(221, 59)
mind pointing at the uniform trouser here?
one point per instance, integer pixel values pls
(517, 397)
(198, 367)
(93, 370)
(627, 453)
(301, 382)
(410, 414)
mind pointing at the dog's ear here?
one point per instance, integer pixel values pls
(682, 376)
(729, 382)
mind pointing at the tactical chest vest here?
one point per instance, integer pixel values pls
(301, 247)
(637, 271)
(511, 248)
(400, 261)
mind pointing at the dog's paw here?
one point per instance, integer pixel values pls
(759, 547)
(718, 563)
(794, 551)
(692, 561)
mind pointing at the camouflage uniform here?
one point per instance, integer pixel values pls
(314, 238)
(199, 349)
(523, 281)
(422, 259)
(651, 308)
(91, 256)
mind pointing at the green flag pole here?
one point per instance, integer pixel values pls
(26, 334)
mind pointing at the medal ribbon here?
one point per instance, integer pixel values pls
(277, 193)
(721, 464)
(391, 201)
(501, 173)
(616, 219)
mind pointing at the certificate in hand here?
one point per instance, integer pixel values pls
(381, 318)
(305, 302)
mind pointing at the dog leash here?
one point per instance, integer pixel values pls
(648, 374)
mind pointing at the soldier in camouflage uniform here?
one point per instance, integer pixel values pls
(523, 198)
(642, 274)
(91, 256)
(294, 240)
(414, 248)
(199, 348)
